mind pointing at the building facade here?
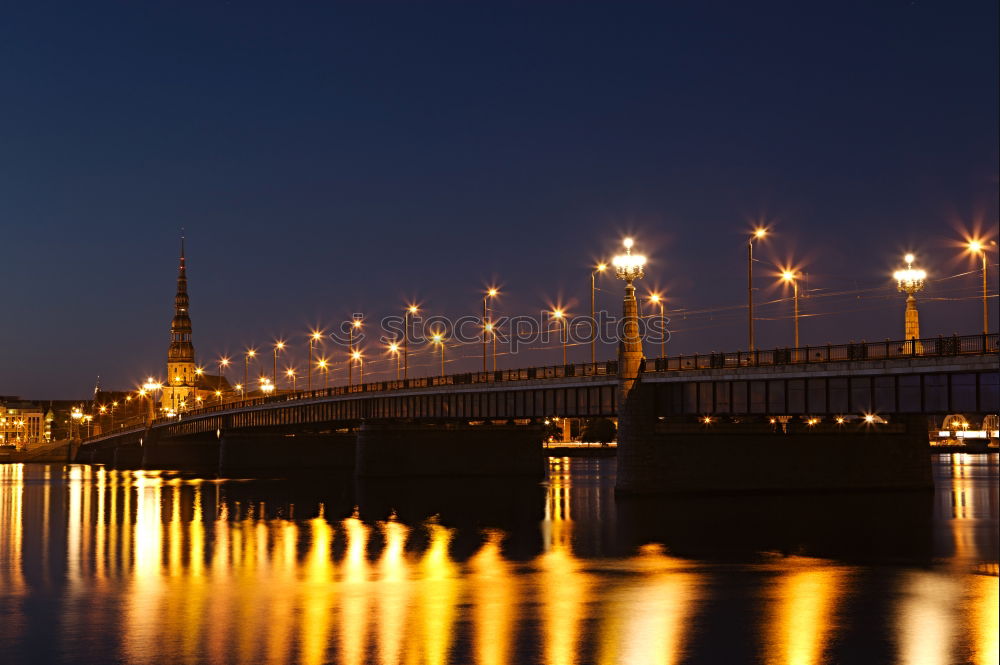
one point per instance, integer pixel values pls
(22, 424)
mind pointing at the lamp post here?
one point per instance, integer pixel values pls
(223, 364)
(355, 325)
(314, 336)
(629, 267)
(599, 268)
(560, 315)
(75, 416)
(290, 374)
(979, 247)
(790, 277)
(242, 388)
(657, 299)
(325, 367)
(410, 310)
(756, 235)
(278, 346)
(357, 357)
(251, 353)
(910, 281)
(150, 388)
(492, 292)
(438, 338)
(394, 350)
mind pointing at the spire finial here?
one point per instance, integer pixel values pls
(182, 242)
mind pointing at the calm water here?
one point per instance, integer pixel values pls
(141, 567)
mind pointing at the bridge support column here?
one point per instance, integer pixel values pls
(261, 454)
(635, 409)
(389, 449)
(190, 453)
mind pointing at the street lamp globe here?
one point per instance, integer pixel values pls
(629, 266)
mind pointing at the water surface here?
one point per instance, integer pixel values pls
(102, 566)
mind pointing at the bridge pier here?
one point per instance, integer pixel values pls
(394, 449)
(189, 453)
(255, 454)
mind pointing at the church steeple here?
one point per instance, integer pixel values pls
(181, 348)
(180, 389)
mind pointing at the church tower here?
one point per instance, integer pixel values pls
(180, 387)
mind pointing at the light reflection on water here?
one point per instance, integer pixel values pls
(143, 567)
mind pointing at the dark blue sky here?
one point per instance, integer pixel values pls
(327, 158)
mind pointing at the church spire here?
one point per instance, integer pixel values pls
(181, 348)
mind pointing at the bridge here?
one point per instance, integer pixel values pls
(491, 420)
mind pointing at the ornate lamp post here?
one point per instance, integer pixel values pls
(599, 268)
(910, 281)
(629, 267)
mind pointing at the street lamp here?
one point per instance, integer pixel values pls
(559, 315)
(360, 359)
(240, 387)
(290, 374)
(789, 277)
(223, 364)
(758, 234)
(278, 346)
(150, 388)
(910, 281)
(251, 353)
(438, 338)
(630, 267)
(979, 247)
(394, 350)
(410, 310)
(657, 299)
(325, 367)
(266, 386)
(314, 336)
(76, 415)
(492, 292)
(599, 268)
(355, 325)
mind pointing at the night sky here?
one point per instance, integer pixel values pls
(329, 158)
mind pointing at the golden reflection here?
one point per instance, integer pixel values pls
(803, 618)
(393, 593)
(145, 599)
(437, 593)
(984, 619)
(926, 623)
(318, 593)
(12, 584)
(648, 616)
(354, 593)
(495, 593)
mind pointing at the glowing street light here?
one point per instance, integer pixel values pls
(355, 325)
(438, 338)
(357, 357)
(314, 337)
(250, 353)
(223, 364)
(394, 350)
(599, 268)
(910, 281)
(266, 386)
(657, 299)
(290, 374)
(492, 292)
(758, 234)
(278, 346)
(149, 389)
(324, 366)
(979, 247)
(410, 311)
(790, 277)
(559, 315)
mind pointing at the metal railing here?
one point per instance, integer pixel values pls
(828, 353)
(955, 345)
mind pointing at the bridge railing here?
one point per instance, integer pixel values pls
(828, 353)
